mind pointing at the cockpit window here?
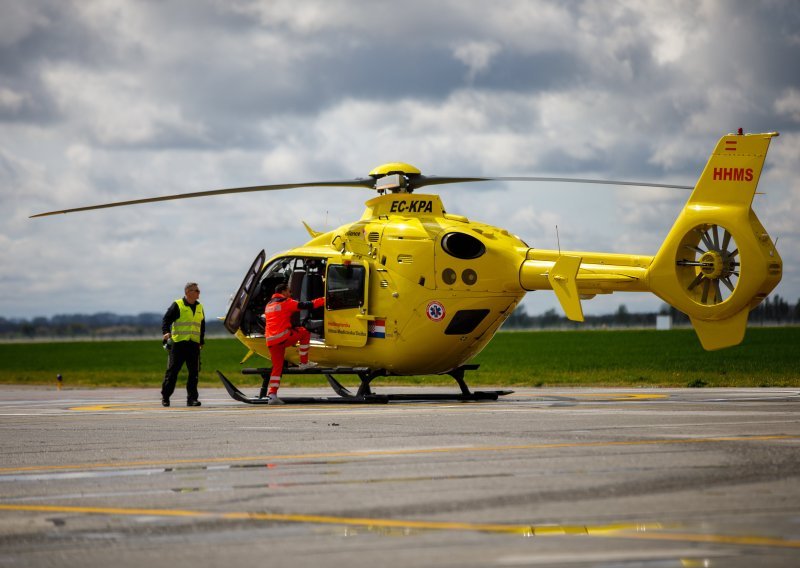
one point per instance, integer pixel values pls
(345, 286)
(463, 246)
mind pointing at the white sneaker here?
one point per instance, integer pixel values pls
(309, 365)
(273, 399)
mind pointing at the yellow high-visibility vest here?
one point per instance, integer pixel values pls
(187, 326)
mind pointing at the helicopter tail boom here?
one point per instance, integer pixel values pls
(718, 262)
(577, 275)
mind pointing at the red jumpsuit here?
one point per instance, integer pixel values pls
(280, 334)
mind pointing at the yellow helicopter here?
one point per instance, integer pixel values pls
(413, 290)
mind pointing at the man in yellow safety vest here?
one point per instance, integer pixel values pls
(184, 328)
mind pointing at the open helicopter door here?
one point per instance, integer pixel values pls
(346, 293)
(233, 319)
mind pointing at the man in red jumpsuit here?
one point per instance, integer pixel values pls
(280, 334)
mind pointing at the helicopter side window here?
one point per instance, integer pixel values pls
(345, 287)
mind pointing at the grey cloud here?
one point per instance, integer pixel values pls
(55, 34)
(537, 71)
(229, 92)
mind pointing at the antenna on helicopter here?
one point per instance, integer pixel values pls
(558, 240)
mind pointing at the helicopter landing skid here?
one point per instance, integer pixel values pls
(236, 394)
(364, 394)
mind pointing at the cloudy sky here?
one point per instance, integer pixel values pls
(112, 100)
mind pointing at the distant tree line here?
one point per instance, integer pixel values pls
(772, 311)
(100, 325)
(105, 325)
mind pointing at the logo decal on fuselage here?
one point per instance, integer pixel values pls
(435, 311)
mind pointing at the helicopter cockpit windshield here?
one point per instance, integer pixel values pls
(305, 276)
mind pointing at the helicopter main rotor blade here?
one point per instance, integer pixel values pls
(414, 182)
(422, 181)
(358, 182)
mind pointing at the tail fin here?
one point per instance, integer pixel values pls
(718, 262)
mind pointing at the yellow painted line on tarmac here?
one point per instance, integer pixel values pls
(110, 407)
(106, 510)
(598, 395)
(629, 396)
(116, 407)
(743, 540)
(399, 452)
(529, 530)
(334, 520)
(645, 531)
(127, 407)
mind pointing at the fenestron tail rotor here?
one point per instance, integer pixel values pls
(708, 264)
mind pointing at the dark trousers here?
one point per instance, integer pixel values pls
(182, 352)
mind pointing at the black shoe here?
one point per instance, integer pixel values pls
(164, 402)
(193, 403)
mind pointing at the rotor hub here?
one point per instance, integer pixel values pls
(712, 264)
(395, 177)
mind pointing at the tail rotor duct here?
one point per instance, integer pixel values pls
(708, 264)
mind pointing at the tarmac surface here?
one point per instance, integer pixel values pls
(542, 477)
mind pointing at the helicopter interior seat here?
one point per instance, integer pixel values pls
(296, 283)
(296, 288)
(314, 287)
(253, 320)
(253, 323)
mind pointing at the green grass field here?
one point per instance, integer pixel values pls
(769, 357)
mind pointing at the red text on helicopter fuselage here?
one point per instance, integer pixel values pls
(733, 174)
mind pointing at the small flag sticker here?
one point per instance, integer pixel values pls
(377, 329)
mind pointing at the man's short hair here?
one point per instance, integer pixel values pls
(281, 288)
(189, 285)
